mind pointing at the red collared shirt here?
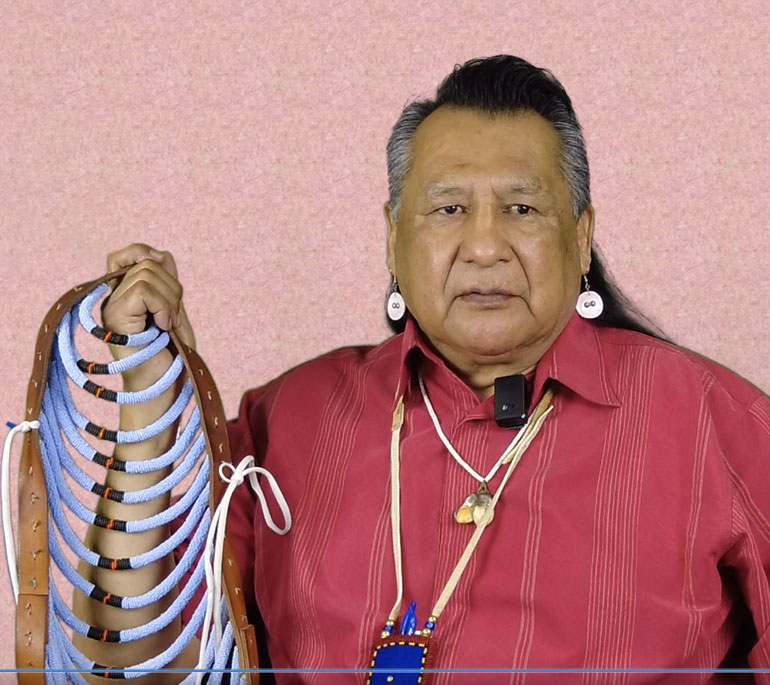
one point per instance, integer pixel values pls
(634, 533)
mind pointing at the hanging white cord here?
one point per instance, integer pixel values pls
(5, 488)
(511, 457)
(450, 448)
(395, 509)
(216, 539)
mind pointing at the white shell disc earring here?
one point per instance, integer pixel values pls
(590, 303)
(396, 307)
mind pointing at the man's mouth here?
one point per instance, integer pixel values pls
(487, 297)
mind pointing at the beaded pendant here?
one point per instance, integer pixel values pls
(401, 659)
(475, 506)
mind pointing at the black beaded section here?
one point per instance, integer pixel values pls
(104, 522)
(101, 433)
(93, 367)
(107, 493)
(114, 564)
(105, 672)
(103, 635)
(106, 598)
(109, 336)
(105, 394)
(109, 462)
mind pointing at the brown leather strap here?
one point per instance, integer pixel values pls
(215, 429)
(32, 610)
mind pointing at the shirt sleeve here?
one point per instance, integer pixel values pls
(747, 459)
(247, 435)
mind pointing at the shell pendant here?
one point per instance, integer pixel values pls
(475, 506)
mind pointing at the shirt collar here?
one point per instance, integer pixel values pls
(414, 347)
(576, 360)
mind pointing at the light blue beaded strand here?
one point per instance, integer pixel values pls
(65, 339)
(87, 321)
(156, 593)
(137, 496)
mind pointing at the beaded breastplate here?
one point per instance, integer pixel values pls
(65, 456)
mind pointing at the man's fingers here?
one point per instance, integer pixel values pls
(127, 309)
(183, 329)
(156, 275)
(128, 256)
(166, 260)
(133, 254)
(150, 287)
(146, 289)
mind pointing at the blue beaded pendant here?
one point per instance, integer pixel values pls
(401, 660)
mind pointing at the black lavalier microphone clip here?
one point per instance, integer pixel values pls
(511, 401)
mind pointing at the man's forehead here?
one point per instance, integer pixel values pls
(518, 153)
(459, 137)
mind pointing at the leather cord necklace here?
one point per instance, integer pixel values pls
(402, 658)
(473, 508)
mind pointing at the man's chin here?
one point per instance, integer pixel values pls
(494, 344)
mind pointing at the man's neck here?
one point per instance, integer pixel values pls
(480, 375)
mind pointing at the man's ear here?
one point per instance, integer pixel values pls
(585, 235)
(391, 238)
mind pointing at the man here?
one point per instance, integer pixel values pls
(634, 531)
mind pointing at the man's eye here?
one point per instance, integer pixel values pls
(522, 210)
(449, 210)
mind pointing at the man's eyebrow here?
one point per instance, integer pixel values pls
(522, 186)
(438, 190)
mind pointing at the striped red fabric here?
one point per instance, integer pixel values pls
(635, 533)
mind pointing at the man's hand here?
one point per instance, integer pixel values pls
(150, 287)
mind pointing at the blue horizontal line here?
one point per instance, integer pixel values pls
(395, 670)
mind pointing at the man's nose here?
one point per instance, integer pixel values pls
(485, 238)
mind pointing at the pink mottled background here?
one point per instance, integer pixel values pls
(248, 138)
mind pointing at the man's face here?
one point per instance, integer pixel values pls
(485, 249)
